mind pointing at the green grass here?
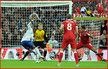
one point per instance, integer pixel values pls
(51, 64)
(89, 18)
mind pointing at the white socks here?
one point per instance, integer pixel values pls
(34, 56)
(37, 51)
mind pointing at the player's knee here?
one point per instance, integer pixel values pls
(62, 50)
(30, 50)
(74, 50)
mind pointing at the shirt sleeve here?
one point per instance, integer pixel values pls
(63, 23)
(29, 25)
(88, 32)
(76, 24)
(79, 31)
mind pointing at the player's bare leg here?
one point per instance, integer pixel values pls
(37, 51)
(79, 56)
(60, 57)
(98, 54)
(76, 56)
(33, 54)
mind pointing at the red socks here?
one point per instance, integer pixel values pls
(99, 56)
(60, 57)
(76, 57)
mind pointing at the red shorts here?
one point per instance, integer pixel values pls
(88, 45)
(78, 12)
(71, 42)
(103, 11)
(99, 10)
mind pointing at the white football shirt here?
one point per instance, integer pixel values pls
(28, 36)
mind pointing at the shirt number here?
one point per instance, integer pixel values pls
(69, 26)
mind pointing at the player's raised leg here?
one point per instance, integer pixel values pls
(34, 57)
(37, 51)
(98, 54)
(27, 45)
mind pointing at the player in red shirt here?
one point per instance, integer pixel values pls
(85, 41)
(69, 37)
(78, 12)
(99, 9)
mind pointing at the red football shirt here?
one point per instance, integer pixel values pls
(69, 29)
(83, 37)
(78, 9)
(99, 5)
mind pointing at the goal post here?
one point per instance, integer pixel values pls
(19, 11)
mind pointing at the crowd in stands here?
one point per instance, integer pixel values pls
(103, 37)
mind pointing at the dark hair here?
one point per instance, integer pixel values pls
(83, 27)
(68, 16)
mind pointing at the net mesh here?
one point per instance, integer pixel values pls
(14, 21)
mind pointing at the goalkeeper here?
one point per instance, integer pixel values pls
(40, 37)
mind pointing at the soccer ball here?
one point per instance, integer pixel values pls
(37, 61)
(52, 55)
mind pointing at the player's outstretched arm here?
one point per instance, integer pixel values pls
(91, 36)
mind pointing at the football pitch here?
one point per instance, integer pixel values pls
(89, 18)
(51, 64)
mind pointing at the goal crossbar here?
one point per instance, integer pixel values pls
(33, 3)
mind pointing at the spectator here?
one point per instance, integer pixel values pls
(103, 26)
(53, 42)
(103, 43)
(104, 35)
(83, 10)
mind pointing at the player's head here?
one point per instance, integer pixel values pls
(40, 26)
(104, 32)
(68, 16)
(83, 28)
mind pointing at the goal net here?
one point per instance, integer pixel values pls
(15, 16)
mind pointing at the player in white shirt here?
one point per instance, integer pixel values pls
(53, 42)
(83, 10)
(27, 43)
